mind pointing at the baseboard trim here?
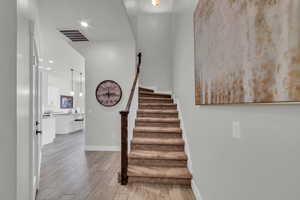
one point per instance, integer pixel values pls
(196, 191)
(187, 149)
(187, 146)
(102, 148)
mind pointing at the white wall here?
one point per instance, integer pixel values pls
(109, 54)
(8, 135)
(107, 61)
(151, 27)
(24, 113)
(154, 41)
(264, 164)
(55, 47)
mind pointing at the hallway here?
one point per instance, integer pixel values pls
(70, 173)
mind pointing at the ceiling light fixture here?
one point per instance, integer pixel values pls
(51, 61)
(84, 24)
(72, 82)
(155, 2)
(81, 82)
(48, 68)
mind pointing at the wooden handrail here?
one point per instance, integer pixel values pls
(123, 177)
(134, 82)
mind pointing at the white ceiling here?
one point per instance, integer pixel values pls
(107, 18)
(145, 6)
(108, 21)
(184, 5)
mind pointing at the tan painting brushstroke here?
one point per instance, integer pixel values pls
(247, 51)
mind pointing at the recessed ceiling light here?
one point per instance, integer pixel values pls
(155, 2)
(51, 61)
(84, 24)
(48, 68)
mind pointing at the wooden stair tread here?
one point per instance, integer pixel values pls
(159, 172)
(158, 104)
(157, 111)
(163, 120)
(153, 98)
(158, 129)
(157, 149)
(157, 155)
(157, 141)
(155, 94)
(146, 89)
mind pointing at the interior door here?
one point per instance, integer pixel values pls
(37, 114)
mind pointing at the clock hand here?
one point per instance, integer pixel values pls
(107, 93)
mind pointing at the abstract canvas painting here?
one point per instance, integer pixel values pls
(247, 51)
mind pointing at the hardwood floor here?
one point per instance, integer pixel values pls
(70, 173)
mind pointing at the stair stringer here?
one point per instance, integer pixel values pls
(184, 136)
(194, 185)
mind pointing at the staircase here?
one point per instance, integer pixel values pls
(157, 148)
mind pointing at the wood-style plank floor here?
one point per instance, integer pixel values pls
(70, 173)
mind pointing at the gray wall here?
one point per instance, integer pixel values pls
(8, 139)
(153, 33)
(263, 164)
(107, 61)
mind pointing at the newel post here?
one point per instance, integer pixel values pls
(124, 147)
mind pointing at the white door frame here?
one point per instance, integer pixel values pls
(36, 110)
(25, 117)
(36, 113)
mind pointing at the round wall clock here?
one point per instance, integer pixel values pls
(108, 93)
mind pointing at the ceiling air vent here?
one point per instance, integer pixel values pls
(74, 35)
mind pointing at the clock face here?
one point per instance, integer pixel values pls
(108, 93)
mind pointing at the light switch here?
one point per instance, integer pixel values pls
(236, 133)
